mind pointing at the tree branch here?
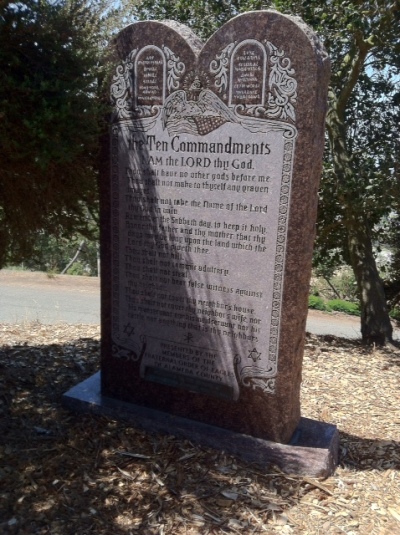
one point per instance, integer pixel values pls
(74, 258)
(364, 46)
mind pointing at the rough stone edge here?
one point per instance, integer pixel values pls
(313, 450)
(187, 33)
(315, 41)
(194, 42)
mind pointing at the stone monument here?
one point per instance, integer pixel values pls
(209, 201)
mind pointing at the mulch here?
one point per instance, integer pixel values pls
(62, 473)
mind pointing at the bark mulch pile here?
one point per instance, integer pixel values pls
(62, 473)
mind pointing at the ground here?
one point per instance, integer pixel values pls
(62, 473)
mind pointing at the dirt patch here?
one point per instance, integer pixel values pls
(62, 473)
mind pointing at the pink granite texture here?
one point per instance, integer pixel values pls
(268, 416)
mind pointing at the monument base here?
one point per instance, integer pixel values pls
(312, 451)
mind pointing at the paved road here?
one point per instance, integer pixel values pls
(340, 325)
(337, 324)
(28, 296)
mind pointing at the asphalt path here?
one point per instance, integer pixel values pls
(31, 296)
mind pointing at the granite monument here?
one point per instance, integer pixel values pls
(208, 214)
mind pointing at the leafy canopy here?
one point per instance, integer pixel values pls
(50, 121)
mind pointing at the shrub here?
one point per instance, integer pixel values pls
(395, 314)
(77, 269)
(317, 303)
(344, 306)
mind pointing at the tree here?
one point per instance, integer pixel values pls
(73, 255)
(202, 16)
(392, 271)
(49, 121)
(359, 185)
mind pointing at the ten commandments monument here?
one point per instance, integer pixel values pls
(208, 214)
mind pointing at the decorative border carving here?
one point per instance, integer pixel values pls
(253, 376)
(219, 68)
(120, 348)
(282, 86)
(115, 229)
(121, 89)
(122, 353)
(176, 69)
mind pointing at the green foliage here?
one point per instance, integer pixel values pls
(339, 305)
(77, 268)
(359, 185)
(52, 255)
(317, 303)
(204, 17)
(336, 305)
(332, 284)
(50, 122)
(395, 314)
(392, 269)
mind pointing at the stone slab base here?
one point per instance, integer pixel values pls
(313, 450)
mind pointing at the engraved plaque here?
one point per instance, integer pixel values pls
(150, 76)
(248, 73)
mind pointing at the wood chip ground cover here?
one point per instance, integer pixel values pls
(62, 473)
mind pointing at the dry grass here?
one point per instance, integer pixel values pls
(62, 473)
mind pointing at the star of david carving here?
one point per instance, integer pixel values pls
(254, 355)
(129, 329)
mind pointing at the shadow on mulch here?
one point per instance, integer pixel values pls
(391, 356)
(63, 473)
(358, 453)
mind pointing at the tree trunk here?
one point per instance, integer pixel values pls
(376, 327)
(74, 258)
